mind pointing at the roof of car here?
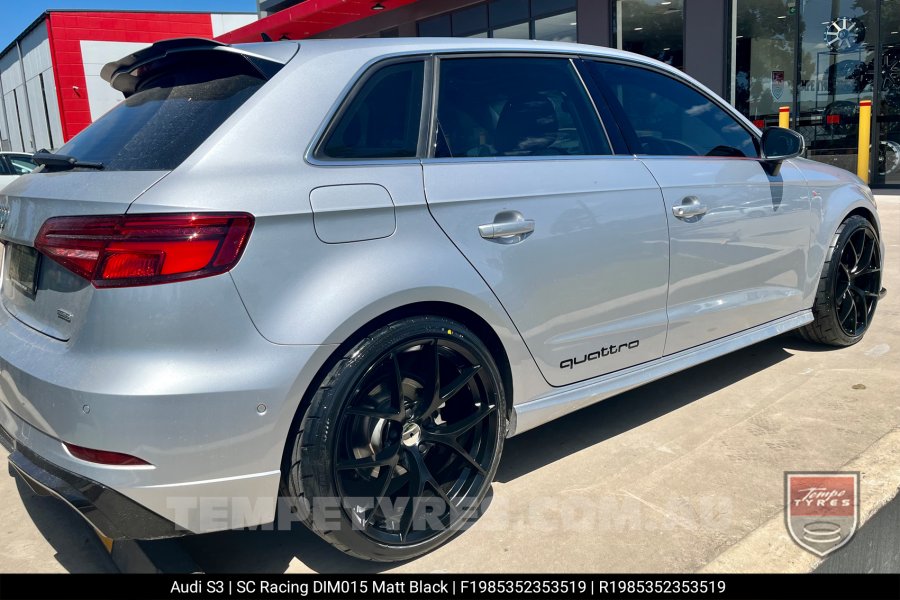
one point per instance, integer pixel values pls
(377, 46)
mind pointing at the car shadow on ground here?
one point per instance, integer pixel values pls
(77, 548)
(274, 551)
(265, 551)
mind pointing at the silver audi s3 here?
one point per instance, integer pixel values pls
(331, 277)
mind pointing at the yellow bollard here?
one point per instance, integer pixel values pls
(865, 139)
(784, 117)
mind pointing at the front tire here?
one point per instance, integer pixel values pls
(849, 287)
(401, 441)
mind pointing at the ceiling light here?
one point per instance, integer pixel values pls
(573, 23)
(895, 32)
(638, 28)
(665, 3)
(739, 37)
(378, 6)
(783, 17)
(665, 49)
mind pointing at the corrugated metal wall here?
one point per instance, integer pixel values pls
(30, 116)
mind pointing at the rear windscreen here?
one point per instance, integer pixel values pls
(170, 114)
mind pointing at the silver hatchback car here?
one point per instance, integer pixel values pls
(341, 273)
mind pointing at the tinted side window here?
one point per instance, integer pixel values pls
(669, 117)
(4, 168)
(21, 165)
(383, 117)
(515, 107)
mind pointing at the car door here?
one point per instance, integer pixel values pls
(739, 234)
(572, 239)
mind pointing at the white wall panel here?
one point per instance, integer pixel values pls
(15, 141)
(223, 23)
(101, 96)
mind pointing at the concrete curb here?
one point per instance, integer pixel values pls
(769, 548)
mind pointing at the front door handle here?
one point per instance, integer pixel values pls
(689, 208)
(508, 227)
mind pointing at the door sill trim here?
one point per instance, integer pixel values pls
(536, 412)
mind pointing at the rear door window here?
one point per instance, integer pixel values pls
(383, 117)
(170, 114)
(515, 106)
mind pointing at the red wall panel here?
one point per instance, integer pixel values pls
(66, 30)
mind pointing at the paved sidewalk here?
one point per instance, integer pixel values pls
(684, 474)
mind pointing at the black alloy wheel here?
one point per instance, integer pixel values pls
(406, 431)
(858, 281)
(850, 286)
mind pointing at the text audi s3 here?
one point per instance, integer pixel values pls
(343, 272)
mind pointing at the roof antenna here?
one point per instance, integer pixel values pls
(265, 37)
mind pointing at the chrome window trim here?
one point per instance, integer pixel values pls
(506, 159)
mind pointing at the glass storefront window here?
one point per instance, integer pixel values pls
(553, 20)
(516, 32)
(765, 58)
(654, 28)
(438, 26)
(887, 168)
(470, 22)
(836, 72)
(558, 28)
(509, 19)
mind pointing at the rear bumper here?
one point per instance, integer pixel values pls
(108, 511)
(197, 393)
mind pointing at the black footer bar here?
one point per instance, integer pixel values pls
(406, 587)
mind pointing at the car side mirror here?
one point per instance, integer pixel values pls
(779, 145)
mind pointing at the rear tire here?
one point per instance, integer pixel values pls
(400, 443)
(849, 286)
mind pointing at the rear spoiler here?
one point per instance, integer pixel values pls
(267, 58)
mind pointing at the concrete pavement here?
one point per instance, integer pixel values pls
(685, 474)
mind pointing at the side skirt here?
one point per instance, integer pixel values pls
(542, 410)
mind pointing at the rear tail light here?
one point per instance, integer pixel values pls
(132, 250)
(105, 457)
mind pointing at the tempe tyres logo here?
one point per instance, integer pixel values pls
(821, 509)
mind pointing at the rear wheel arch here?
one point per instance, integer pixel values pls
(479, 326)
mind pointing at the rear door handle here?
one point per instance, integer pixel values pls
(508, 227)
(492, 231)
(689, 207)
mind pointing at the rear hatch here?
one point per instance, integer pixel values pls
(177, 93)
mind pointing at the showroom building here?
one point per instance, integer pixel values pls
(819, 58)
(50, 81)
